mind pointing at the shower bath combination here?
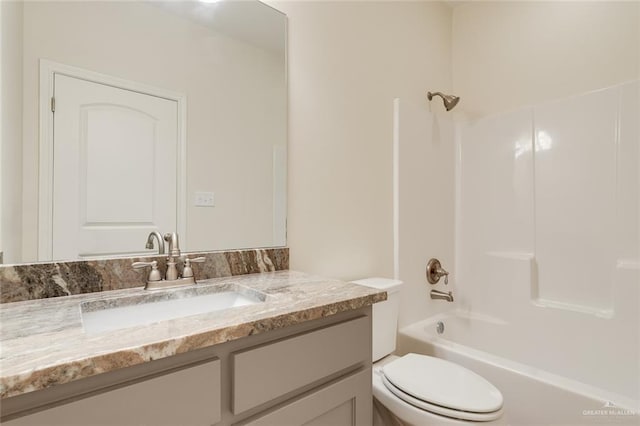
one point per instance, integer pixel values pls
(450, 101)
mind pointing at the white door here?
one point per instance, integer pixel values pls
(115, 168)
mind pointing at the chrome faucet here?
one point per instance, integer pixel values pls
(441, 295)
(150, 238)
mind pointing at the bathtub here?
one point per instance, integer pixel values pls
(532, 396)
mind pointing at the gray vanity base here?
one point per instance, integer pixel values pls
(314, 373)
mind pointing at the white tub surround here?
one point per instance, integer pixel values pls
(548, 237)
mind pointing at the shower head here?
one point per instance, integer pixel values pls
(450, 101)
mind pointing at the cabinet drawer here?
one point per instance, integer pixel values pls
(272, 370)
(190, 396)
(347, 402)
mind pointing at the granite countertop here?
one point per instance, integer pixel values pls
(44, 343)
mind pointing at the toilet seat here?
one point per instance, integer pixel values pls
(442, 387)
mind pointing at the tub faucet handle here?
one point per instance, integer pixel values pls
(435, 271)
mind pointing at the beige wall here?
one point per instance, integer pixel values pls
(426, 147)
(347, 62)
(510, 54)
(11, 133)
(228, 83)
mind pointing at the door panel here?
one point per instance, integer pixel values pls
(115, 173)
(108, 161)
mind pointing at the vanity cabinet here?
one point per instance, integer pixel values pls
(314, 373)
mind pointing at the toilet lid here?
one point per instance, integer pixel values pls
(442, 411)
(442, 383)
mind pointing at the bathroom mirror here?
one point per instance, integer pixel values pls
(122, 118)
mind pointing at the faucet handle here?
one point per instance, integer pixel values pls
(444, 274)
(154, 275)
(187, 271)
(139, 265)
(435, 272)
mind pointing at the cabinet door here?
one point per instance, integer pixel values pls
(347, 402)
(190, 396)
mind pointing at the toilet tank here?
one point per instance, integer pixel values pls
(385, 315)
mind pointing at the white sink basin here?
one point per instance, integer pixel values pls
(125, 312)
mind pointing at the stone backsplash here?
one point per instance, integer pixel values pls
(65, 278)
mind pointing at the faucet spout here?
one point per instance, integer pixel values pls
(441, 295)
(174, 246)
(156, 235)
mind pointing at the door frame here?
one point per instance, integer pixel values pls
(48, 69)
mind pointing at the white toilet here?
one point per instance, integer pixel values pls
(420, 390)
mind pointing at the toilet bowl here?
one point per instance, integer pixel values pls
(421, 390)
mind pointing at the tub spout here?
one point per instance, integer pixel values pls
(441, 295)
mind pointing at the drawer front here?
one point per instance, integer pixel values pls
(190, 396)
(270, 371)
(347, 402)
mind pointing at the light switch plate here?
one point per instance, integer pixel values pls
(204, 199)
